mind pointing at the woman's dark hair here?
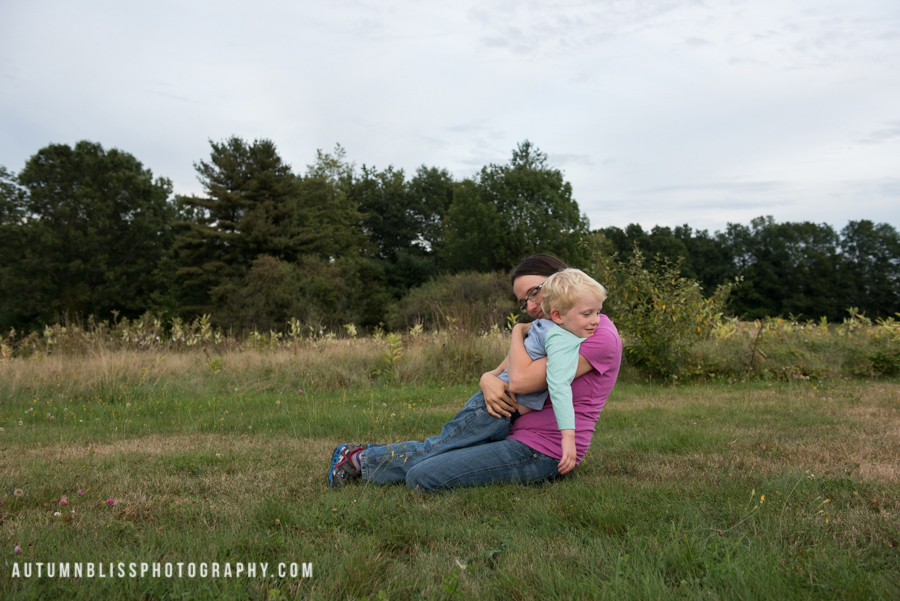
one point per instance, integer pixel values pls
(539, 264)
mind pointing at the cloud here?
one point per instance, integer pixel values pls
(744, 60)
(660, 111)
(565, 159)
(694, 42)
(465, 128)
(889, 133)
(538, 28)
(495, 42)
(728, 187)
(712, 205)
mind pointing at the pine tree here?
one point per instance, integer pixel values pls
(250, 208)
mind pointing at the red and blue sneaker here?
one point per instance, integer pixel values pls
(343, 469)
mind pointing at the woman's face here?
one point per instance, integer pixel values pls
(523, 287)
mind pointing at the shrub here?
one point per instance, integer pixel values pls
(318, 293)
(785, 349)
(659, 313)
(879, 354)
(471, 302)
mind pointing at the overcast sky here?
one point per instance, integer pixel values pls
(658, 112)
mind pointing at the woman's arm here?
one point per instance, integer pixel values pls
(528, 375)
(525, 374)
(499, 403)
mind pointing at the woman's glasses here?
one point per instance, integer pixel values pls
(531, 296)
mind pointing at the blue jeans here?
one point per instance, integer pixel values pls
(471, 449)
(506, 461)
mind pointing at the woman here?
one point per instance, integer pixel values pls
(479, 446)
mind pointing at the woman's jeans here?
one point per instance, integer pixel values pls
(472, 449)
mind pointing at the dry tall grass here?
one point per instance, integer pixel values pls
(329, 364)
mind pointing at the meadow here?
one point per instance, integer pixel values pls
(757, 489)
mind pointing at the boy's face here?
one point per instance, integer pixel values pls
(582, 319)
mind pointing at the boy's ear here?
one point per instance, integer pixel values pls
(556, 316)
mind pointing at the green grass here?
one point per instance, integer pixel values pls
(750, 491)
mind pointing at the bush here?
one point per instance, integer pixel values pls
(471, 302)
(660, 314)
(784, 349)
(877, 346)
(317, 293)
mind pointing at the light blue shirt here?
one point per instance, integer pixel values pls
(534, 346)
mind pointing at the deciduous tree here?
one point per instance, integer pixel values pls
(90, 227)
(531, 209)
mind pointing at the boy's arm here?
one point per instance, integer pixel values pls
(562, 365)
(569, 453)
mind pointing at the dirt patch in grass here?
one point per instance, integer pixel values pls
(179, 444)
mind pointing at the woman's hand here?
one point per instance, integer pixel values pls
(499, 401)
(568, 451)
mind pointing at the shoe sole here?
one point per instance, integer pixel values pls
(334, 458)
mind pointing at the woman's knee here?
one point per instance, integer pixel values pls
(421, 479)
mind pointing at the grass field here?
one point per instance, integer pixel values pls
(747, 491)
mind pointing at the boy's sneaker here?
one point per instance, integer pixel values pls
(342, 470)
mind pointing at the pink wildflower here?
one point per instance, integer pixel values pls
(110, 502)
(18, 549)
(64, 501)
(80, 492)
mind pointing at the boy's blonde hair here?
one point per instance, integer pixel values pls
(565, 288)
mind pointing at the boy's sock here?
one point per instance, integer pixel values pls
(356, 458)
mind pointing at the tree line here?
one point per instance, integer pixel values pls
(89, 231)
(805, 270)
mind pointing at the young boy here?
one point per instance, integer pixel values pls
(573, 301)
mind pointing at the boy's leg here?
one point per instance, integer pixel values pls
(504, 461)
(473, 425)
